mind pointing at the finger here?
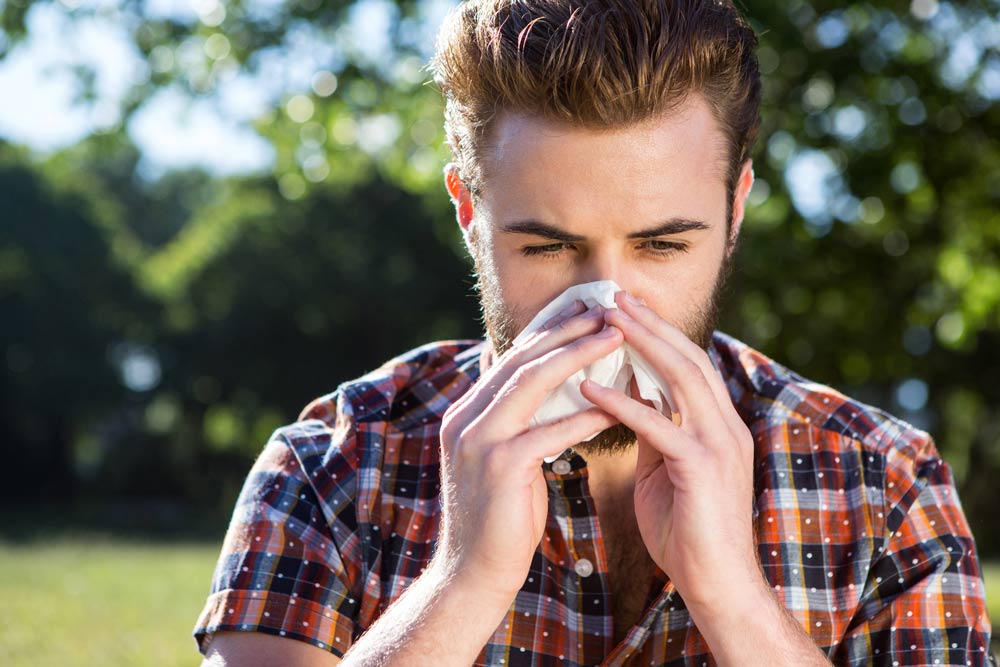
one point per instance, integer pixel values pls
(562, 328)
(554, 438)
(647, 456)
(672, 334)
(573, 309)
(667, 438)
(647, 459)
(515, 404)
(690, 390)
(563, 333)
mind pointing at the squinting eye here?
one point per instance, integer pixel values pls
(665, 247)
(548, 249)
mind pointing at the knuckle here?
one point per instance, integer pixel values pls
(449, 419)
(495, 459)
(562, 327)
(447, 437)
(451, 426)
(522, 376)
(462, 452)
(579, 345)
(692, 369)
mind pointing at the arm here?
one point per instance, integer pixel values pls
(923, 602)
(494, 501)
(253, 649)
(283, 571)
(437, 621)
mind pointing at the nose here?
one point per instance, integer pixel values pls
(602, 264)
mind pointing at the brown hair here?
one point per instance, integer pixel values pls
(594, 63)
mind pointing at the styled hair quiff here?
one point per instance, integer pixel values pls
(595, 64)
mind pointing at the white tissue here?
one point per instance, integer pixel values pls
(614, 370)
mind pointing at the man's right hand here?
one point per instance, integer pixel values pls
(494, 498)
(494, 507)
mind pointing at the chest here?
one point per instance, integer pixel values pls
(630, 569)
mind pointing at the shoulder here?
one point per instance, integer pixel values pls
(407, 393)
(421, 380)
(783, 407)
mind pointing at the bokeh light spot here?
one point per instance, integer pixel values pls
(217, 46)
(905, 177)
(950, 328)
(210, 12)
(912, 111)
(315, 169)
(291, 186)
(895, 243)
(849, 122)
(324, 83)
(344, 131)
(818, 94)
(759, 193)
(912, 394)
(917, 340)
(831, 31)
(924, 9)
(300, 108)
(872, 210)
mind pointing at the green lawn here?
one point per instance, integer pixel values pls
(106, 601)
(991, 573)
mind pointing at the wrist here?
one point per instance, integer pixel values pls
(734, 604)
(753, 616)
(463, 582)
(439, 621)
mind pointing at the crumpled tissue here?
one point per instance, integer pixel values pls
(615, 370)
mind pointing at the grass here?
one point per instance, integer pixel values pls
(99, 600)
(78, 601)
(991, 574)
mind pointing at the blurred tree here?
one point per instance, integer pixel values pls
(299, 299)
(65, 302)
(871, 258)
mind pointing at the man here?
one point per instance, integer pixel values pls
(409, 517)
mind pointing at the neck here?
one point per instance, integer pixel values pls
(611, 474)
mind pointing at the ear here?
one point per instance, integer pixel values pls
(460, 197)
(743, 185)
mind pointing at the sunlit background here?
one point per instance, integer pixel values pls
(211, 213)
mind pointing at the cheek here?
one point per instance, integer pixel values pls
(528, 285)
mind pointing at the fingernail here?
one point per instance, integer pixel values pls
(594, 311)
(607, 332)
(633, 300)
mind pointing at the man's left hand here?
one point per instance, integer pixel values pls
(693, 482)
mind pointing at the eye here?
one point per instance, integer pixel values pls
(660, 247)
(549, 249)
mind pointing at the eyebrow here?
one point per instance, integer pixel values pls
(536, 228)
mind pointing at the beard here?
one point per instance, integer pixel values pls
(504, 322)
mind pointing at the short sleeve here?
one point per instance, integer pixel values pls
(282, 571)
(924, 601)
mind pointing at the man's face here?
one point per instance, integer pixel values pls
(643, 206)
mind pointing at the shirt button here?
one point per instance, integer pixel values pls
(561, 467)
(583, 567)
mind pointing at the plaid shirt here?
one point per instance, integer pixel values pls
(859, 527)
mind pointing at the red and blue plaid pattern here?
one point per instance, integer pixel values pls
(859, 527)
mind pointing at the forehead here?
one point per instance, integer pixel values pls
(681, 146)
